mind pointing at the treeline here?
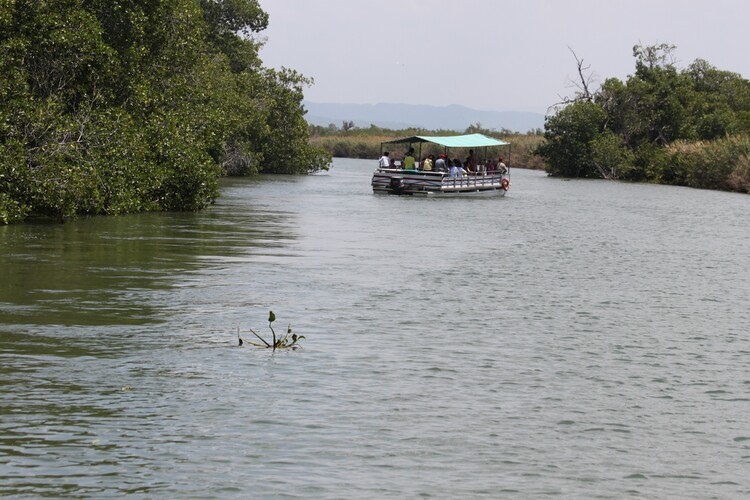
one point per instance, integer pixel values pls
(117, 106)
(349, 141)
(688, 127)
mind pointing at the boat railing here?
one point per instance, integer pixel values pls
(472, 181)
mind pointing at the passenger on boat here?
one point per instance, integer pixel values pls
(501, 167)
(384, 161)
(490, 166)
(427, 164)
(481, 167)
(456, 170)
(471, 162)
(440, 165)
(409, 161)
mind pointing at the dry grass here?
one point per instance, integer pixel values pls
(739, 179)
(686, 148)
(368, 146)
(719, 164)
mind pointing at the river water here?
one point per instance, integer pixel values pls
(580, 339)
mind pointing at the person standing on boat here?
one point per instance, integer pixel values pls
(471, 161)
(384, 161)
(427, 164)
(409, 160)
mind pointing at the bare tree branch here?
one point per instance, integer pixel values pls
(583, 86)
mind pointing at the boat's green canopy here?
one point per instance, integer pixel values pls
(452, 141)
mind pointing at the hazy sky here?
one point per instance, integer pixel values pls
(494, 55)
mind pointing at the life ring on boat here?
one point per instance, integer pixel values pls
(505, 183)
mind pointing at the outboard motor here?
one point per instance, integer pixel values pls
(397, 185)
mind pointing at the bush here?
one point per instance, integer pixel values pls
(11, 210)
(720, 164)
(739, 179)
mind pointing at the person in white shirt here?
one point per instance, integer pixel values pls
(384, 161)
(457, 169)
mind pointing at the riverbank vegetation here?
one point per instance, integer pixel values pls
(110, 107)
(349, 141)
(687, 127)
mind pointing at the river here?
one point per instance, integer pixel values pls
(579, 339)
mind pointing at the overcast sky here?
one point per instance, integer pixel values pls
(494, 55)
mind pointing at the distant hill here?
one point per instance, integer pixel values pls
(399, 116)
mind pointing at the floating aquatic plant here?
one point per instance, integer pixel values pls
(288, 341)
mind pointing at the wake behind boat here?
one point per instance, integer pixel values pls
(444, 176)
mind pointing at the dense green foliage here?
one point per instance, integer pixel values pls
(349, 141)
(686, 127)
(117, 106)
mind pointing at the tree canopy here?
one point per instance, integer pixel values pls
(117, 106)
(638, 129)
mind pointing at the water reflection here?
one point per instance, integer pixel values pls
(108, 271)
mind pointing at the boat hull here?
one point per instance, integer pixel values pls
(437, 184)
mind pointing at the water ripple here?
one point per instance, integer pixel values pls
(578, 339)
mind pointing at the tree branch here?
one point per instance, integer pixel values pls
(583, 85)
